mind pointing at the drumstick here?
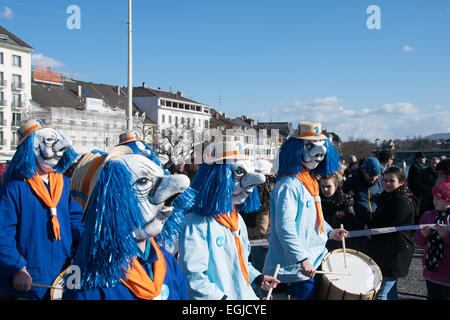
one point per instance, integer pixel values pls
(333, 273)
(275, 276)
(343, 248)
(44, 286)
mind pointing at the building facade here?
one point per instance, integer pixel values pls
(15, 90)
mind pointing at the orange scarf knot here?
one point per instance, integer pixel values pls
(138, 281)
(56, 185)
(231, 222)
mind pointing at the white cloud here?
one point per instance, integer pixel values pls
(389, 121)
(408, 48)
(7, 13)
(40, 59)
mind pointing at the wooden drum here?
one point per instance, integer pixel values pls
(364, 280)
(58, 286)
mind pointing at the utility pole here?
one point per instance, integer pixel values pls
(130, 74)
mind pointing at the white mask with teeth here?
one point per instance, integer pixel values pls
(155, 192)
(246, 175)
(49, 146)
(313, 153)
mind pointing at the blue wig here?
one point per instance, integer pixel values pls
(23, 164)
(111, 217)
(152, 156)
(214, 184)
(290, 159)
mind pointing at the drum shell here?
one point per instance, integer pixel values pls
(327, 290)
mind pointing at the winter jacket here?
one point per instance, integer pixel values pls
(393, 251)
(364, 197)
(443, 272)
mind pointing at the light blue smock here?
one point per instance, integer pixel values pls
(293, 231)
(209, 259)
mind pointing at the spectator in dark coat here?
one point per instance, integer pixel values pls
(364, 187)
(393, 252)
(417, 166)
(424, 182)
(337, 208)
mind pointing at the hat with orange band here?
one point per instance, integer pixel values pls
(309, 131)
(29, 127)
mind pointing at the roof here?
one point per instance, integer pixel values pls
(218, 120)
(67, 95)
(12, 39)
(150, 92)
(284, 128)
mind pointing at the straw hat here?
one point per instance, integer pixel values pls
(29, 127)
(219, 151)
(129, 136)
(310, 131)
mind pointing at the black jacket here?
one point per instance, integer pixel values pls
(393, 251)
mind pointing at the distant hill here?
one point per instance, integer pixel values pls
(436, 136)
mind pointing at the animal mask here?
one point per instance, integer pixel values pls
(49, 146)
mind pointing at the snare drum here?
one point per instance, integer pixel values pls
(364, 280)
(60, 282)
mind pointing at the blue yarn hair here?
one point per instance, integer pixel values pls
(66, 160)
(214, 184)
(23, 164)
(111, 217)
(152, 155)
(172, 227)
(290, 158)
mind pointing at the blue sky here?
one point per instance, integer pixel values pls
(287, 60)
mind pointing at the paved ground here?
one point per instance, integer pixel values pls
(413, 287)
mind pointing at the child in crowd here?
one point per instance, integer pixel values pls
(436, 258)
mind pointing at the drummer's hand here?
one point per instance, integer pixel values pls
(269, 282)
(441, 230)
(338, 234)
(425, 231)
(366, 227)
(21, 280)
(308, 269)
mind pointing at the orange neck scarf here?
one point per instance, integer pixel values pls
(56, 185)
(313, 187)
(231, 222)
(138, 281)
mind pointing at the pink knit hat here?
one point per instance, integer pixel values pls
(442, 191)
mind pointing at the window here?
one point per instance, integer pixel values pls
(2, 101)
(206, 124)
(16, 119)
(163, 118)
(17, 81)
(1, 57)
(176, 120)
(163, 103)
(175, 105)
(2, 142)
(170, 119)
(17, 61)
(1, 119)
(168, 104)
(14, 139)
(16, 100)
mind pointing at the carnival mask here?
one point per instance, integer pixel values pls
(155, 192)
(246, 175)
(49, 146)
(313, 153)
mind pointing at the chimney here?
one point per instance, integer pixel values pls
(179, 94)
(118, 90)
(143, 84)
(79, 91)
(224, 115)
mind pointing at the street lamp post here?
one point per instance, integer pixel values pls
(130, 74)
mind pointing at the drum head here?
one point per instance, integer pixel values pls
(365, 274)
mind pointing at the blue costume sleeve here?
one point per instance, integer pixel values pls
(286, 216)
(252, 271)
(76, 226)
(10, 259)
(194, 257)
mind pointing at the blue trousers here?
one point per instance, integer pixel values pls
(388, 289)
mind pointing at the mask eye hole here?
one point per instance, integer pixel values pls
(143, 185)
(238, 174)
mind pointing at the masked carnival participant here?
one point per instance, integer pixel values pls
(132, 210)
(214, 246)
(298, 231)
(40, 224)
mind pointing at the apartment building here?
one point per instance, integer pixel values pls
(15, 89)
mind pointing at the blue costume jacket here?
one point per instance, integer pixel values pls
(174, 285)
(209, 258)
(26, 236)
